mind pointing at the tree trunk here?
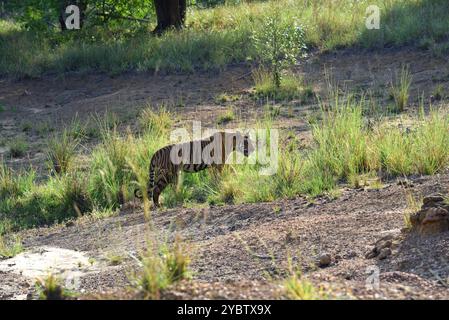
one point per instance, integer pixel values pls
(170, 14)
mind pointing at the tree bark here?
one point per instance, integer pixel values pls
(170, 14)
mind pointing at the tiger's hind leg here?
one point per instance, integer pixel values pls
(160, 185)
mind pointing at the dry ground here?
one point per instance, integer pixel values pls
(239, 251)
(242, 251)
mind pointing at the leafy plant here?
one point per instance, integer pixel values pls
(279, 43)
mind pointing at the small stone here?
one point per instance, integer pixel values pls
(324, 260)
(371, 254)
(382, 244)
(384, 253)
(69, 224)
(433, 199)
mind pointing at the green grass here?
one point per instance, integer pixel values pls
(163, 265)
(10, 248)
(61, 152)
(218, 36)
(291, 87)
(17, 147)
(226, 117)
(343, 150)
(50, 288)
(297, 287)
(223, 98)
(400, 90)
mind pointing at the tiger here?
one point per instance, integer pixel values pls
(164, 171)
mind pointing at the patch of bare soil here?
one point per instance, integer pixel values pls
(242, 251)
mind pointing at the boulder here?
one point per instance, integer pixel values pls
(433, 217)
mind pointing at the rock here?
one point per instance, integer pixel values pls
(433, 217)
(382, 248)
(431, 221)
(69, 224)
(371, 254)
(405, 184)
(384, 253)
(324, 260)
(433, 201)
(382, 244)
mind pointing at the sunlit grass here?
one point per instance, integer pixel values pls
(218, 36)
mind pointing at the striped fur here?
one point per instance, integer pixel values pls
(163, 171)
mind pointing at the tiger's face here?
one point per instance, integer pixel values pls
(245, 144)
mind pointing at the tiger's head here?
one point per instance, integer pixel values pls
(244, 144)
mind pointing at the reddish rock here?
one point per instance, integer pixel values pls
(433, 217)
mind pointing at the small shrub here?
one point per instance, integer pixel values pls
(13, 184)
(17, 147)
(438, 93)
(279, 43)
(224, 98)
(114, 259)
(10, 248)
(156, 121)
(43, 128)
(413, 205)
(298, 288)
(26, 126)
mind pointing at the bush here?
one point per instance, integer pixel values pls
(279, 43)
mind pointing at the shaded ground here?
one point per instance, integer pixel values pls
(242, 251)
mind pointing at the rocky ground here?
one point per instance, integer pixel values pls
(243, 251)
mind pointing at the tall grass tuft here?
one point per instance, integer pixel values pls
(162, 266)
(61, 151)
(296, 287)
(50, 288)
(400, 90)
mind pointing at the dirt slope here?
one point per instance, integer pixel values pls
(242, 251)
